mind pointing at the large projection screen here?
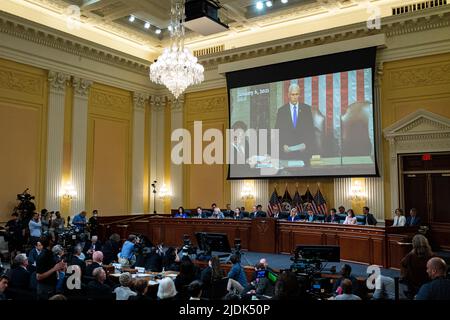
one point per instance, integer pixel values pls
(306, 118)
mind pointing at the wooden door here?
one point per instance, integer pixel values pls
(416, 195)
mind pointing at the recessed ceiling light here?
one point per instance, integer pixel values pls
(147, 25)
(158, 31)
(284, 1)
(132, 18)
(268, 4)
(259, 5)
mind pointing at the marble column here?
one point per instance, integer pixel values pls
(79, 142)
(176, 171)
(137, 189)
(55, 139)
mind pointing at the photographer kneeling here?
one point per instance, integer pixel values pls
(126, 255)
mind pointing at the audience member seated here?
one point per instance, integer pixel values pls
(170, 260)
(126, 255)
(3, 286)
(97, 289)
(153, 259)
(346, 273)
(185, 277)
(439, 287)
(19, 276)
(195, 290)
(97, 260)
(91, 246)
(261, 285)
(384, 288)
(399, 218)
(217, 214)
(347, 290)
(287, 288)
(237, 278)
(369, 218)
(47, 270)
(413, 270)
(350, 219)
(181, 213)
(124, 292)
(32, 256)
(211, 274)
(413, 219)
(78, 260)
(332, 217)
(294, 215)
(166, 289)
(141, 288)
(111, 249)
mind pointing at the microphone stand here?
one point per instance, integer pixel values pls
(154, 196)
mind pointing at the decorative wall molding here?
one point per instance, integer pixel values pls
(81, 86)
(110, 101)
(209, 104)
(421, 76)
(420, 131)
(139, 100)
(20, 82)
(24, 29)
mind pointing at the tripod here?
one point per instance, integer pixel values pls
(241, 257)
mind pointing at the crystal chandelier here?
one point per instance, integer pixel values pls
(176, 68)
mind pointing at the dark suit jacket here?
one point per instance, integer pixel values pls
(258, 214)
(99, 291)
(330, 218)
(302, 133)
(90, 268)
(417, 221)
(88, 245)
(237, 167)
(78, 262)
(371, 220)
(19, 278)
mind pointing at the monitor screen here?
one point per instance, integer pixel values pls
(213, 241)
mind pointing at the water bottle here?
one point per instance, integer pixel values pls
(163, 273)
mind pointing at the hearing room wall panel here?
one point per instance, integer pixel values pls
(23, 98)
(109, 150)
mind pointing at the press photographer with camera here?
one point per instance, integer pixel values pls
(80, 221)
(127, 254)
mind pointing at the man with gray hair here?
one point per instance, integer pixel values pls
(78, 259)
(19, 276)
(296, 128)
(97, 289)
(439, 286)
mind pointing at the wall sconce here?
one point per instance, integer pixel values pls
(165, 192)
(247, 192)
(68, 191)
(357, 191)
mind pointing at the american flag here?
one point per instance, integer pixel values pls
(331, 94)
(320, 202)
(310, 199)
(286, 197)
(273, 201)
(297, 201)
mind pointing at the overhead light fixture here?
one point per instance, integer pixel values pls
(268, 4)
(284, 1)
(177, 68)
(259, 5)
(169, 28)
(147, 25)
(132, 18)
(158, 31)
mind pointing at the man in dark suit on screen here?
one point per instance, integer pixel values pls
(296, 128)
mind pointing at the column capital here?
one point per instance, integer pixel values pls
(157, 102)
(176, 105)
(139, 99)
(57, 81)
(81, 86)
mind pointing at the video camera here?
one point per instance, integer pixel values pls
(187, 249)
(70, 238)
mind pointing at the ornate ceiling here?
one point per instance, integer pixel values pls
(109, 20)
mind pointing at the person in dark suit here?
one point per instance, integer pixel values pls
(369, 218)
(97, 259)
(200, 213)
(413, 219)
(258, 213)
(237, 214)
(296, 129)
(77, 260)
(311, 217)
(91, 246)
(239, 151)
(97, 289)
(332, 217)
(228, 213)
(111, 248)
(19, 276)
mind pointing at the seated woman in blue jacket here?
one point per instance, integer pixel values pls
(181, 213)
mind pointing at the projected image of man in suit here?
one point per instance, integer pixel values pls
(296, 128)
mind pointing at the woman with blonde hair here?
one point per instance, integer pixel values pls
(413, 270)
(166, 289)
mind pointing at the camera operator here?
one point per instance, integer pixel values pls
(47, 270)
(153, 259)
(127, 254)
(80, 221)
(57, 224)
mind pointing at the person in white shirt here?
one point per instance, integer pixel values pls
(124, 292)
(350, 218)
(399, 218)
(346, 291)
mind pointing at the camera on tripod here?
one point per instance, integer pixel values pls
(237, 246)
(187, 248)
